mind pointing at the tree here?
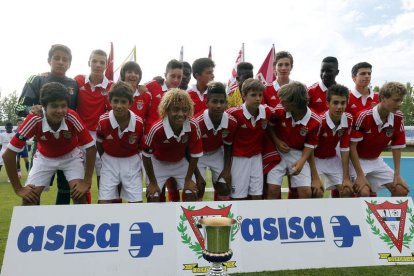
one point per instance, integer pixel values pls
(408, 106)
(7, 105)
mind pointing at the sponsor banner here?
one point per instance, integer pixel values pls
(167, 239)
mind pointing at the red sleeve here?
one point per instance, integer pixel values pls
(346, 136)
(312, 137)
(85, 140)
(100, 131)
(25, 131)
(195, 143)
(148, 141)
(231, 130)
(357, 133)
(398, 139)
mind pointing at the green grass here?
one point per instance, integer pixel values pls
(9, 200)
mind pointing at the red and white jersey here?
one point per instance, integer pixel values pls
(93, 100)
(71, 134)
(157, 92)
(164, 145)
(373, 136)
(358, 102)
(317, 98)
(299, 134)
(119, 143)
(250, 131)
(213, 138)
(141, 104)
(199, 99)
(330, 135)
(270, 95)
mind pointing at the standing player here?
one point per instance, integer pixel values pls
(5, 138)
(336, 128)
(119, 135)
(217, 130)
(317, 92)
(23, 154)
(282, 66)
(244, 71)
(373, 131)
(252, 119)
(186, 76)
(166, 143)
(59, 59)
(296, 136)
(59, 134)
(203, 72)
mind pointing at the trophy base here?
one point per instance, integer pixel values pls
(217, 260)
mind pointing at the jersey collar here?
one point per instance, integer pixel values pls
(331, 124)
(164, 87)
(304, 121)
(209, 124)
(277, 86)
(170, 133)
(323, 86)
(46, 127)
(261, 115)
(378, 121)
(114, 122)
(358, 94)
(103, 84)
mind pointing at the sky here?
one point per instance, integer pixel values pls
(379, 32)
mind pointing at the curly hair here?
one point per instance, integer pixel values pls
(392, 88)
(178, 97)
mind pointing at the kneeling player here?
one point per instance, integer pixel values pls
(166, 143)
(374, 129)
(119, 134)
(59, 133)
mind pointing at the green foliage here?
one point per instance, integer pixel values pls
(408, 106)
(7, 105)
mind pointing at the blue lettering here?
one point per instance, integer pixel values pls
(254, 225)
(296, 231)
(31, 239)
(70, 237)
(282, 228)
(270, 230)
(86, 236)
(108, 235)
(55, 237)
(313, 227)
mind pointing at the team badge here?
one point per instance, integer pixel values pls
(225, 133)
(303, 131)
(264, 124)
(389, 132)
(70, 90)
(340, 132)
(140, 105)
(104, 92)
(132, 139)
(67, 134)
(184, 139)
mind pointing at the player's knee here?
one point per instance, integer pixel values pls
(399, 190)
(304, 192)
(273, 192)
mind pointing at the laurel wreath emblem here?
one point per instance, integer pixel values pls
(195, 246)
(407, 238)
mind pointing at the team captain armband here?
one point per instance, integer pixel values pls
(20, 137)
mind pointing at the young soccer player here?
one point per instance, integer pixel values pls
(374, 129)
(5, 138)
(362, 97)
(252, 120)
(282, 67)
(244, 71)
(119, 134)
(296, 130)
(23, 154)
(166, 143)
(203, 72)
(59, 134)
(317, 92)
(131, 73)
(59, 59)
(186, 76)
(336, 128)
(217, 130)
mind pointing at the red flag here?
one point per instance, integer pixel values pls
(232, 83)
(209, 53)
(266, 74)
(109, 72)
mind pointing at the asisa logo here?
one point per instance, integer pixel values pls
(71, 238)
(393, 223)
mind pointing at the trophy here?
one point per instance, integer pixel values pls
(217, 231)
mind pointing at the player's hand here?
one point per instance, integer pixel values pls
(201, 186)
(317, 188)
(360, 183)
(296, 168)
(282, 146)
(37, 110)
(399, 181)
(346, 188)
(153, 191)
(79, 189)
(189, 185)
(226, 175)
(28, 194)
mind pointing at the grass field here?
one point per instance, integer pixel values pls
(9, 200)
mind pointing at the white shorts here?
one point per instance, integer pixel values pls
(98, 161)
(164, 170)
(125, 170)
(331, 169)
(247, 176)
(377, 172)
(303, 179)
(212, 160)
(72, 165)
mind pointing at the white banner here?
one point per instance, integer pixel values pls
(165, 239)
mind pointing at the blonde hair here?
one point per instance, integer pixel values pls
(176, 96)
(390, 89)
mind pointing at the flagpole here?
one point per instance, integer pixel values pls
(243, 57)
